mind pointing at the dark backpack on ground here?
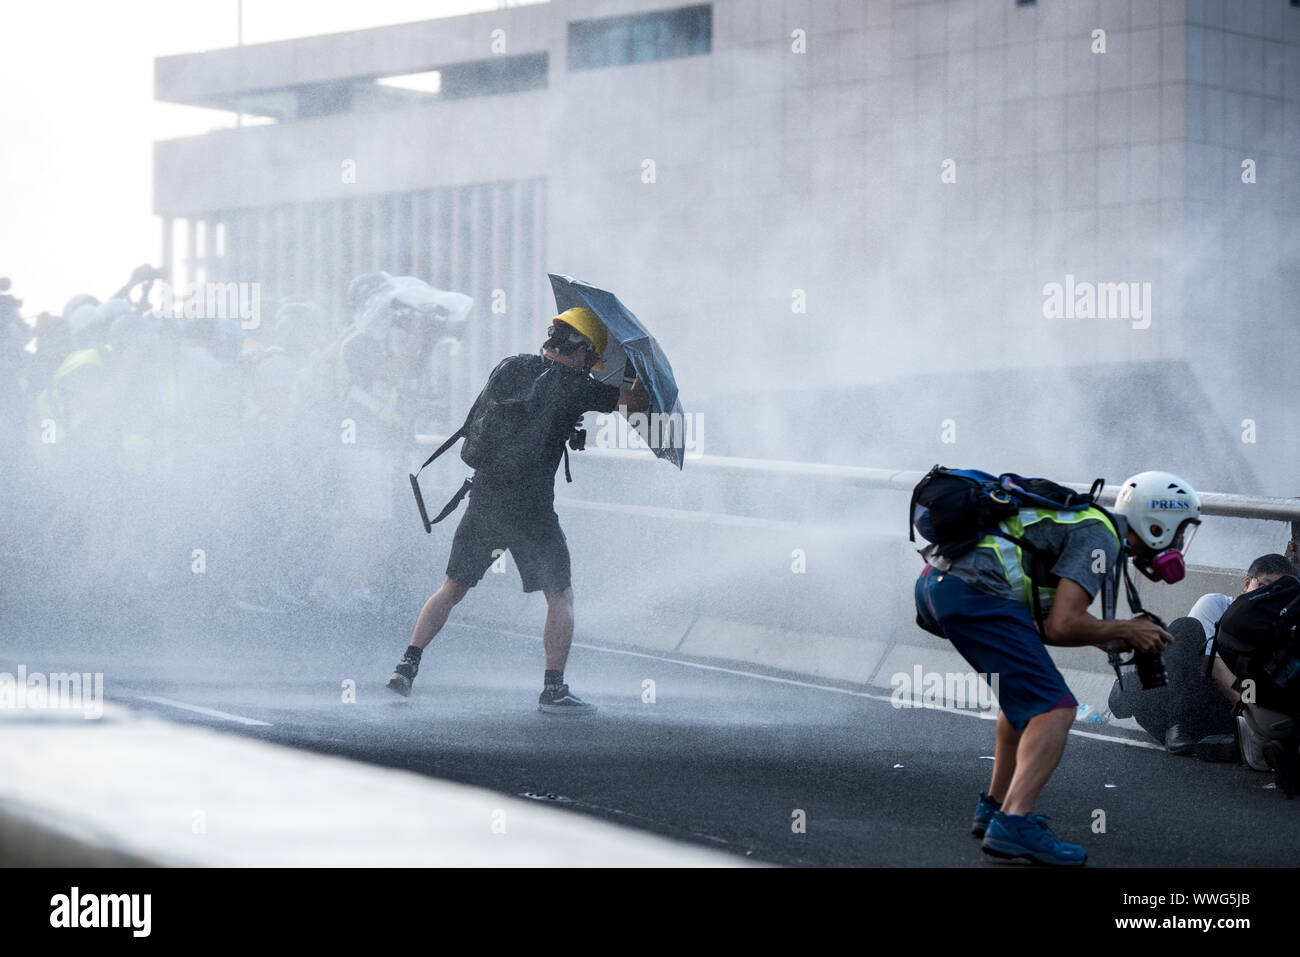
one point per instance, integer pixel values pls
(1258, 640)
(507, 430)
(954, 508)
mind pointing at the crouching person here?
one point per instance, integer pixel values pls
(1194, 713)
(983, 600)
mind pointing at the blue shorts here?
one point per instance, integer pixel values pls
(996, 636)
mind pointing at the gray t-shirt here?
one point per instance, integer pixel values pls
(1073, 550)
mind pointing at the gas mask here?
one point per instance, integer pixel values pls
(1168, 565)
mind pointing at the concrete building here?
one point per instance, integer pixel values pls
(830, 198)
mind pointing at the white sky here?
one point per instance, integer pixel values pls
(78, 120)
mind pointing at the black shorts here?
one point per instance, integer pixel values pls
(530, 532)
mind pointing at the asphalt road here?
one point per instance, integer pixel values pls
(720, 757)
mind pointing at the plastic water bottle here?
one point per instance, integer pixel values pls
(1087, 713)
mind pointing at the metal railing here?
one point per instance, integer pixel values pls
(1222, 504)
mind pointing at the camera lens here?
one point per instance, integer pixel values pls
(1151, 669)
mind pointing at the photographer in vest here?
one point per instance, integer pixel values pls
(984, 602)
(511, 506)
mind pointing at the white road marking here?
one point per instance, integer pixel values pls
(1131, 742)
(210, 712)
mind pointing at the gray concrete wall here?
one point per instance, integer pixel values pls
(724, 589)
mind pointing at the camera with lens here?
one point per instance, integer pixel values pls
(1150, 665)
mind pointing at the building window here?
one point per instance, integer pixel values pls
(494, 76)
(640, 37)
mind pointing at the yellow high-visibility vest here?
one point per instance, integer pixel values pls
(1011, 556)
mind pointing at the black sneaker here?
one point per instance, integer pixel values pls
(561, 701)
(1218, 747)
(403, 676)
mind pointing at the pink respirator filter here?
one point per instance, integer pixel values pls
(1169, 565)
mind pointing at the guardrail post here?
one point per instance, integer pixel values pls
(1293, 546)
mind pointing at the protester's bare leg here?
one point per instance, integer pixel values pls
(1041, 744)
(1004, 758)
(435, 611)
(558, 634)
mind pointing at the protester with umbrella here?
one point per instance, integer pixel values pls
(514, 439)
(632, 351)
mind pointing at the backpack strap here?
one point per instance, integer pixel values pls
(1111, 580)
(1095, 491)
(1035, 555)
(415, 483)
(419, 502)
(447, 509)
(1033, 552)
(456, 437)
(454, 503)
(578, 442)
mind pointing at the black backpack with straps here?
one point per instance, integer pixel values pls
(1258, 638)
(508, 428)
(509, 425)
(954, 508)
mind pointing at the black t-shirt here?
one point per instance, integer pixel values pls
(563, 395)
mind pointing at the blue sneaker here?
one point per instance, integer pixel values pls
(983, 814)
(1011, 835)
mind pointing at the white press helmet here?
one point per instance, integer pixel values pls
(1165, 512)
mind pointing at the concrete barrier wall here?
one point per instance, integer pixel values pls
(726, 588)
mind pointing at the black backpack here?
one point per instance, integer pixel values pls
(1257, 639)
(509, 425)
(954, 508)
(507, 430)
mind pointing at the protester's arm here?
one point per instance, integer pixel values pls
(1225, 680)
(1070, 625)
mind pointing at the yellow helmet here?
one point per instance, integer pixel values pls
(587, 324)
